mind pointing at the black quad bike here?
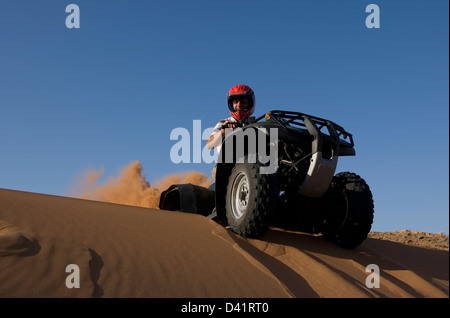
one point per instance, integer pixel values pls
(279, 170)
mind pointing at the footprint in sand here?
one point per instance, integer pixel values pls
(14, 242)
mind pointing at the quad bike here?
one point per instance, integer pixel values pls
(302, 192)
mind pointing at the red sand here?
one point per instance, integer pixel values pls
(127, 251)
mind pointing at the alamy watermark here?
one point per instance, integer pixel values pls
(373, 19)
(73, 19)
(73, 280)
(240, 145)
(373, 279)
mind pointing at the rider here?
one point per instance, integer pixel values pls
(241, 104)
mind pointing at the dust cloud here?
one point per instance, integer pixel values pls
(130, 187)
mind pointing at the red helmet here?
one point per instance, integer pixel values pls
(241, 91)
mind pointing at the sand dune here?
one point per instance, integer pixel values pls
(134, 252)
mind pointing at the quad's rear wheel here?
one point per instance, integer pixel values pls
(347, 210)
(250, 200)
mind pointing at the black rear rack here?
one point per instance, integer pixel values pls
(289, 119)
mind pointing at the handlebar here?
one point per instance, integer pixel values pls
(237, 124)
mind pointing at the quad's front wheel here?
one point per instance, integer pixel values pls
(250, 200)
(347, 210)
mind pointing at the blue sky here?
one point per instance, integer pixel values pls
(110, 92)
